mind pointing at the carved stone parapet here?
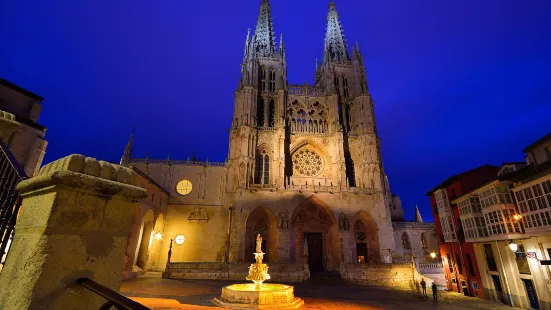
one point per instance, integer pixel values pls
(88, 173)
(8, 125)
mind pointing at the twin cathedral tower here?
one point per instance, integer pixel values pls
(272, 117)
(304, 167)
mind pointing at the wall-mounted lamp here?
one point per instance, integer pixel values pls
(517, 217)
(180, 239)
(158, 236)
(513, 246)
(433, 254)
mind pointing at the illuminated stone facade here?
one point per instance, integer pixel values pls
(304, 166)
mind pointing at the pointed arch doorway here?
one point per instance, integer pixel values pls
(313, 222)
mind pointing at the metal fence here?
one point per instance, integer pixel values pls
(11, 174)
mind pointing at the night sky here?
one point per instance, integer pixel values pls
(456, 84)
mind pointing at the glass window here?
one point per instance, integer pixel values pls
(184, 187)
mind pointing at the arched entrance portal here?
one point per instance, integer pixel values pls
(366, 237)
(145, 240)
(261, 221)
(313, 222)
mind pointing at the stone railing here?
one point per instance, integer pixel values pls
(265, 128)
(312, 188)
(284, 272)
(422, 266)
(401, 260)
(305, 90)
(177, 162)
(262, 186)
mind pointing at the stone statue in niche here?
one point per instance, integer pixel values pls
(305, 248)
(283, 220)
(344, 225)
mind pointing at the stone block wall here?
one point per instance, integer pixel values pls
(388, 275)
(236, 271)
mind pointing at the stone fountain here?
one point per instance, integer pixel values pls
(258, 295)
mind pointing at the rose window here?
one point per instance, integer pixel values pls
(307, 163)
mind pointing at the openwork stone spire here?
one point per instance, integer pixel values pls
(418, 217)
(127, 156)
(264, 43)
(335, 43)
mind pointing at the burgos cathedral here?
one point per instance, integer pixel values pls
(304, 170)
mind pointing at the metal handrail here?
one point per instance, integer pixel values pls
(113, 298)
(13, 162)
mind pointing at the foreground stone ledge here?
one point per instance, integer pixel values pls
(74, 223)
(77, 171)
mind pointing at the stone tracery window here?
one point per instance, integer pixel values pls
(423, 241)
(307, 163)
(262, 175)
(345, 86)
(272, 79)
(307, 118)
(406, 245)
(263, 79)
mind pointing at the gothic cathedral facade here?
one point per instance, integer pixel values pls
(304, 169)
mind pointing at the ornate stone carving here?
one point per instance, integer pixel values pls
(344, 224)
(307, 163)
(283, 220)
(198, 214)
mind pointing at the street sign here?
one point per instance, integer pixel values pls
(545, 262)
(531, 255)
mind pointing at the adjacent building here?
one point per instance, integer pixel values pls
(458, 256)
(508, 220)
(27, 143)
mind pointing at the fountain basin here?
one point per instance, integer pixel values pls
(269, 296)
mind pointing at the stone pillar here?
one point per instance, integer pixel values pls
(74, 223)
(7, 126)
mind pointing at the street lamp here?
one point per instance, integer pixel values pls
(433, 254)
(517, 217)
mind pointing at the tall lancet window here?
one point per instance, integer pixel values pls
(263, 79)
(262, 175)
(337, 85)
(345, 86)
(260, 113)
(271, 116)
(272, 80)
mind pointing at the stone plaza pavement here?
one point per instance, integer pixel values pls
(157, 293)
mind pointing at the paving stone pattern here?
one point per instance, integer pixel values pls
(318, 293)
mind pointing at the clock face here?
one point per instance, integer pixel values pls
(180, 239)
(184, 187)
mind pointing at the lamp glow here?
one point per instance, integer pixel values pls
(433, 254)
(158, 236)
(513, 246)
(180, 239)
(517, 217)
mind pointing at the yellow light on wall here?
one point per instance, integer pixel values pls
(433, 254)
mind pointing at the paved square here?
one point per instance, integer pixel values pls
(322, 294)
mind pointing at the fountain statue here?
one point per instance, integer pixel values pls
(258, 272)
(258, 295)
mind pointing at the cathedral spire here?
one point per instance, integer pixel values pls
(418, 217)
(247, 44)
(264, 43)
(127, 156)
(335, 43)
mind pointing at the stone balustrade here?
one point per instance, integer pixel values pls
(388, 275)
(279, 272)
(305, 90)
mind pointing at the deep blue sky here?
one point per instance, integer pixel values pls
(456, 83)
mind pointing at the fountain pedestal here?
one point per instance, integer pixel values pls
(258, 295)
